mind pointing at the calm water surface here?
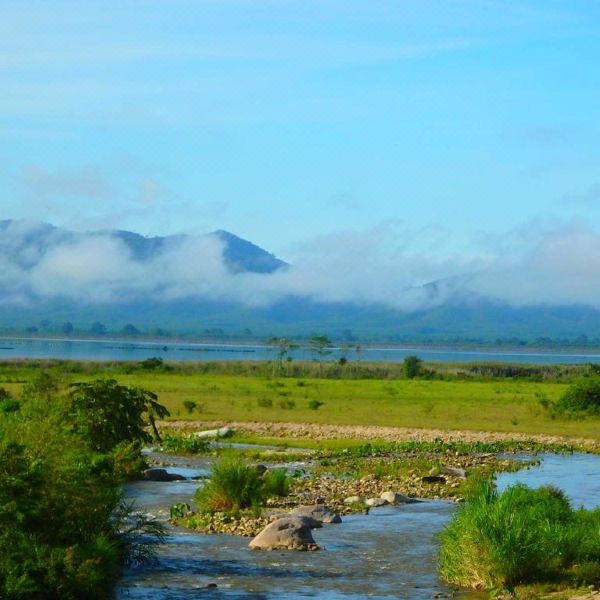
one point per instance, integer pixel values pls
(126, 350)
(390, 553)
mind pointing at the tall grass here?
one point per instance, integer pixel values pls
(276, 483)
(499, 540)
(235, 485)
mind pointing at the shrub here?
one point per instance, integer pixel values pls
(184, 444)
(264, 402)
(106, 413)
(287, 404)
(518, 536)
(152, 363)
(315, 404)
(190, 406)
(276, 483)
(234, 485)
(411, 366)
(128, 460)
(581, 398)
(64, 530)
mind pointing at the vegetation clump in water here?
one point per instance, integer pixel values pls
(520, 536)
(235, 485)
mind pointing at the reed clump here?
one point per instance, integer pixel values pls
(236, 485)
(520, 536)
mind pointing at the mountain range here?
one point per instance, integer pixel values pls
(50, 276)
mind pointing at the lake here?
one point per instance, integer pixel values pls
(134, 350)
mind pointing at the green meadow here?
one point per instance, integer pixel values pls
(261, 393)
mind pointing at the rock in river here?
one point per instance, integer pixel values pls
(161, 475)
(318, 512)
(354, 500)
(375, 502)
(287, 533)
(397, 498)
(454, 471)
(222, 432)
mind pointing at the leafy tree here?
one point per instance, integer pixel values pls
(320, 347)
(284, 347)
(106, 413)
(130, 329)
(412, 366)
(98, 328)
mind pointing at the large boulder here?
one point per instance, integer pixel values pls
(161, 475)
(397, 498)
(222, 432)
(318, 512)
(287, 533)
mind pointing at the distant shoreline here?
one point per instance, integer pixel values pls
(457, 347)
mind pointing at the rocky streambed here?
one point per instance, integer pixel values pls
(389, 553)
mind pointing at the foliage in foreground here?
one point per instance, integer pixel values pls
(64, 531)
(235, 485)
(499, 540)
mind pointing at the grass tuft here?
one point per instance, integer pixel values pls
(500, 540)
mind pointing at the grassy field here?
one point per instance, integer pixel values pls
(503, 404)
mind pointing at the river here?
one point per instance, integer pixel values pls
(390, 553)
(129, 350)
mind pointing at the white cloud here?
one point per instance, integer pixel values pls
(554, 266)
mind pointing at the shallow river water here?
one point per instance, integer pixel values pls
(390, 553)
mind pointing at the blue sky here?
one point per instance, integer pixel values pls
(455, 124)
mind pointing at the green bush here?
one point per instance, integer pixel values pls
(234, 485)
(184, 444)
(190, 406)
(315, 404)
(276, 483)
(411, 366)
(287, 404)
(519, 536)
(581, 398)
(64, 530)
(106, 413)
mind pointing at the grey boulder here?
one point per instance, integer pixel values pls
(287, 533)
(397, 498)
(375, 502)
(318, 512)
(222, 432)
(161, 475)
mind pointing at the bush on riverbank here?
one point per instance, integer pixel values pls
(64, 532)
(235, 485)
(499, 540)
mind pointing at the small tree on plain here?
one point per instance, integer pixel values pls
(412, 366)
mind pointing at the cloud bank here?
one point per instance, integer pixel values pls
(555, 265)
